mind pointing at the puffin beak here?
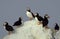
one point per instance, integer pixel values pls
(48, 16)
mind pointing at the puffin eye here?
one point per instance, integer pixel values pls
(35, 14)
(46, 16)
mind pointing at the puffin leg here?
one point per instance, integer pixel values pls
(18, 26)
(9, 32)
(46, 27)
(39, 23)
(30, 19)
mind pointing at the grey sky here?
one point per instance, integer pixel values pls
(10, 10)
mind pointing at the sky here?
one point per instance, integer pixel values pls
(11, 10)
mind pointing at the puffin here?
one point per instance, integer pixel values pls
(8, 27)
(56, 27)
(18, 23)
(29, 14)
(45, 20)
(38, 18)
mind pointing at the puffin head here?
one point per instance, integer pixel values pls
(5, 23)
(20, 18)
(46, 15)
(28, 9)
(36, 15)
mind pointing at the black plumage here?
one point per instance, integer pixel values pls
(56, 27)
(40, 18)
(8, 27)
(45, 20)
(33, 15)
(19, 22)
(29, 10)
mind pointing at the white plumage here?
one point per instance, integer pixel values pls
(36, 18)
(29, 14)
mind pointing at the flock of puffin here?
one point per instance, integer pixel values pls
(39, 20)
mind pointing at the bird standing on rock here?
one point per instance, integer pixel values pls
(18, 23)
(55, 30)
(29, 14)
(45, 20)
(8, 27)
(56, 27)
(38, 18)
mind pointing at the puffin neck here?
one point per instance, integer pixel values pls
(6, 25)
(19, 20)
(29, 10)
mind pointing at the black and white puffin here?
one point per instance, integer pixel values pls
(45, 20)
(8, 27)
(18, 23)
(29, 14)
(38, 18)
(56, 27)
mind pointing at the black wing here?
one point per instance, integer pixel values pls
(9, 28)
(32, 14)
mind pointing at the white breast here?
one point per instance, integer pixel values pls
(29, 14)
(36, 18)
(4, 27)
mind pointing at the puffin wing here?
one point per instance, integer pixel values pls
(32, 14)
(10, 28)
(15, 23)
